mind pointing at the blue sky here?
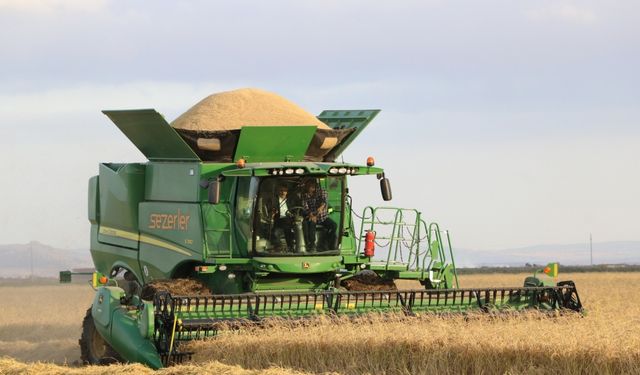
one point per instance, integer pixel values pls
(512, 123)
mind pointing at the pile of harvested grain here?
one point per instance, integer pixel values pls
(234, 109)
(212, 127)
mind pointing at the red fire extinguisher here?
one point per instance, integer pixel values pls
(369, 243)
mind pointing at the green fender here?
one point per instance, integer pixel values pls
(128, 332)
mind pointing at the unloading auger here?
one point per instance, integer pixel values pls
(199, 236)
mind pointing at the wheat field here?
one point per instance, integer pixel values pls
(40, 326)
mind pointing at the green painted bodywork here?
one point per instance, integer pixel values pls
(153, 136)
(172, 182)
(155, 220)
(128, 331)
(347, 119)
(268, 143)
(135, 212)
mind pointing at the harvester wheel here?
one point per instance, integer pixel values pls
(94, 350)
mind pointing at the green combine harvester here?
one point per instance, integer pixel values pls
(199, 236)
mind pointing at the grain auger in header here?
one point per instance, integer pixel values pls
(228, 226)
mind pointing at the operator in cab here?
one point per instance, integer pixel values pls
(314, 203)
(282, 218)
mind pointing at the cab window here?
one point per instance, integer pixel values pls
(298, 216)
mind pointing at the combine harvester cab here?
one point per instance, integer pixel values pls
(203, 209)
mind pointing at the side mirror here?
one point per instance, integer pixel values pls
(385, 188)
(213, 189)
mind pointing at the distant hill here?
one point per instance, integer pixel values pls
(47, 260)
(616, 252)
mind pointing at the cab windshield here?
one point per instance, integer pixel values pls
(298, 216)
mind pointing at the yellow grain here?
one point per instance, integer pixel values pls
(234, 109)
(605, 341)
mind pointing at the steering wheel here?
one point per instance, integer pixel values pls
(295, 211)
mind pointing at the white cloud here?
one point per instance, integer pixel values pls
(46, 6)
(170, 98)
(565, 12)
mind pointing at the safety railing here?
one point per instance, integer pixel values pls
(397, 233)
(407, 239)
(439, 250)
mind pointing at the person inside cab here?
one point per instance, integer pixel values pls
(279, 207)
(314, 203)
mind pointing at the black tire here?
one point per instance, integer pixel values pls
(94, 350)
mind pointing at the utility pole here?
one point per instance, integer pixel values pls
(31, 259)
(591, 247)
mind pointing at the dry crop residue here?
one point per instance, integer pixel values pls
(176, 287)
(10, 366)
(605, 341)
(43, 323)
(368, 281)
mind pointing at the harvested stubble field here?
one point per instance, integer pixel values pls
(41, 323)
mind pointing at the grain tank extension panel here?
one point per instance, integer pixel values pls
(152, 135)
(158, 141)
(269, 143)
(354, 120)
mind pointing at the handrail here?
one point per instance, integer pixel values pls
(428, 251)
(397, 220)
(406, 240)
(362, 223)
(453, 262)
